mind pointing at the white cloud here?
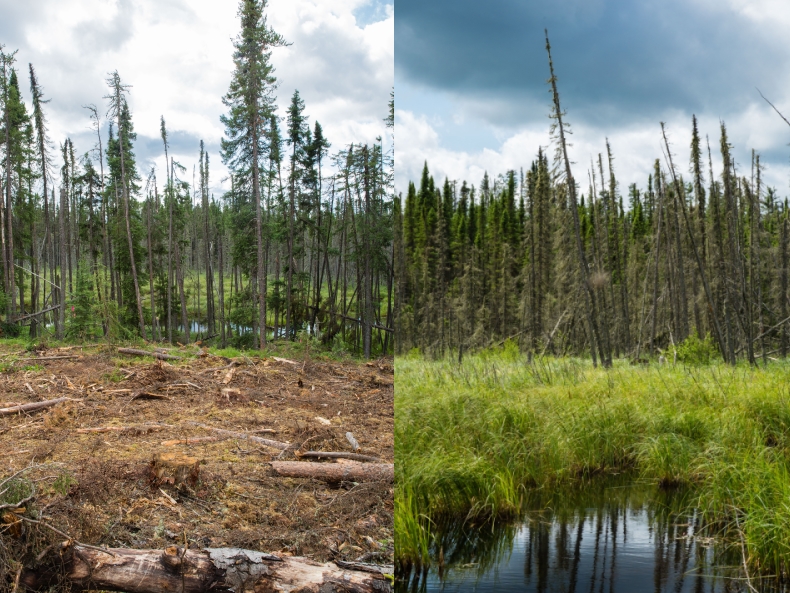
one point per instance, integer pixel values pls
(177, 56)
(634, 148)
(772, 13)
(418, 141)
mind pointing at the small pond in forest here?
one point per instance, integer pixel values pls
(604, 538)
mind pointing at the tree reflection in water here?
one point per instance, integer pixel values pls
(602, 538)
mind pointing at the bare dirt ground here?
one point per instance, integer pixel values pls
(116, 498)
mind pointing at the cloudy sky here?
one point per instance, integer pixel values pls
(177, 57)
(471, 92)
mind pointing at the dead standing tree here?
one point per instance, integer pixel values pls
(584, 268)
(117, 105)
(679, 195)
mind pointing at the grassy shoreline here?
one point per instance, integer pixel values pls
(471, 441)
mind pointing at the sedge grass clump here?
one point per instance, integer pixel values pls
(474, 440)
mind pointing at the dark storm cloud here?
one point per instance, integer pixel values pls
(616, 61)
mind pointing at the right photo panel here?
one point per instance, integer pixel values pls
(592, 389)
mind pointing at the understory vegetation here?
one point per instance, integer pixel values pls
(474, 440)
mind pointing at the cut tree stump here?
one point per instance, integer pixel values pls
(336, 472)
(175, 469)
(36, 406)
(159, 355)
(195, 571)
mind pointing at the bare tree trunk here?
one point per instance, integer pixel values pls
(367, 328)
(660, 209)
(289, 320)
(683, 308)
(170, 251)
(207, 242)
(63, 256)
(701, 268)
(757, 239)
(154, 325)
(619, 261)
(8, 241)
(783, 285)
(256, 195)
(181, 293)
(220, 249)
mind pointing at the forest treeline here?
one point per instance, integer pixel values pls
(699, 259)
(94, 245)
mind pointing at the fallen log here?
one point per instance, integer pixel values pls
(285, 360)
(159, 355)
(244, 435)
(335, 455)
(194, 571)
(35, 406)
(144, 428)
(65, 357)
(147, 395)
(191, 441)
(18, 319)
(336, 472)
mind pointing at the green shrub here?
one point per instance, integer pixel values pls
(692, 350)
(82, 322)
(15, 490)
(10, 330)
(63, 483)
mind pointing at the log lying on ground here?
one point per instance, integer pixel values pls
(334, 455)
(159, 355)
(143, 428)
(147, 395)
(336, 472)
(70, 356)
(195, 571)
(36, 406)
(243, 435)
(191, 441)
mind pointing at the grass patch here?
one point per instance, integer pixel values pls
(477, 440)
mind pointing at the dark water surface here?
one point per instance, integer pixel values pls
(600, 540)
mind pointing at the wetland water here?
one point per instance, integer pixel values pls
(604, 539)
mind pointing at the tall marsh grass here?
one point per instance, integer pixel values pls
(474, 440)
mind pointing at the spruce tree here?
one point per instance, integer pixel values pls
(119, 109)
(250, 103)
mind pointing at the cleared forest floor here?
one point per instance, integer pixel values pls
(116, 497)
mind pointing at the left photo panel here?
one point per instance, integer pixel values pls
(197, 297)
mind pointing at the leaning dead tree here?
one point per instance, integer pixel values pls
(195, 571)
(584, 268)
